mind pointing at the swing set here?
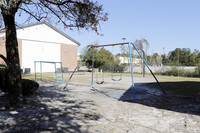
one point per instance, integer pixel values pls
(131, 66)
(114, 77)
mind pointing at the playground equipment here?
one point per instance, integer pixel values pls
(113, 76)
(41, 71)
(131, 65)
(102, 77)
(101, 73)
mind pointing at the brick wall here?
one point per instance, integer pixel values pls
(3, 49)
(69, 56)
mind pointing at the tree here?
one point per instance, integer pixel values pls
(192, 59)
(88, 57)
(101, 57)
(157, 59)
(198, 58)
(104, 56)
(70, 13)
(164, 59)
(142, 44)
(174, 56)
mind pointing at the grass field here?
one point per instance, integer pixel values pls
(163, 77)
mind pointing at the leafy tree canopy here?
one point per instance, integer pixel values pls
(101, 57)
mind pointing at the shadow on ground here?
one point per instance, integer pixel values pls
(183, 97)
(47, 110)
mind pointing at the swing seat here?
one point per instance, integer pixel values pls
(116, 80)
(100, 82)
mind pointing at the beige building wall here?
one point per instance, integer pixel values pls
(69, 56)
(3, 49)
(20, 51)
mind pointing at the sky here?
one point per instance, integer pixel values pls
(166, 24)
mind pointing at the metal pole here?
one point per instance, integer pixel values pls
(143, 63)
(62, 72)
(77, 67)
(92, 65)
(56, 74)
(35, 69)
(41, 70)
(149, 69)
(131, 64)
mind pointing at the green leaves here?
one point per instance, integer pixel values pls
(101, 57)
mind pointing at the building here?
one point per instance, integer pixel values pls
(43, 42)
(126, 60)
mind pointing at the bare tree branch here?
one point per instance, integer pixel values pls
(4, 58)
(60, 19)
(60, 2)
(31, 14)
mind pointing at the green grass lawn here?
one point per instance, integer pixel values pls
(163, 77)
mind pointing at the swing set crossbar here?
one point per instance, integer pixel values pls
(110, 44)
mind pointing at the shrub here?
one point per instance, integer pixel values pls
(28, 86)
(174, 72)
(113, 67)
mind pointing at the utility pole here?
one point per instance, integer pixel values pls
(163, 50)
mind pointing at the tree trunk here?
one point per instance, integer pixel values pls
(14, 72)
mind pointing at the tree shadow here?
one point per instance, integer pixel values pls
(177, 99)
(49, 109)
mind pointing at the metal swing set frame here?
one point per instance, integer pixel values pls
(50, 62)
(131, 65)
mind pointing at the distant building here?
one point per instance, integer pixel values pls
(43, 42)
(126, 60)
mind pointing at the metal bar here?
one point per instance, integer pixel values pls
(111, 44)
(77, 67)
(62, 72)
(35, 70)
(92, 65)
(131, 63)
(149, 69)
(56, 74)
(55, 69)
(41, 70)
(47, 62)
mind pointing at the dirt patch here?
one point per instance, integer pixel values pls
(82, 108)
